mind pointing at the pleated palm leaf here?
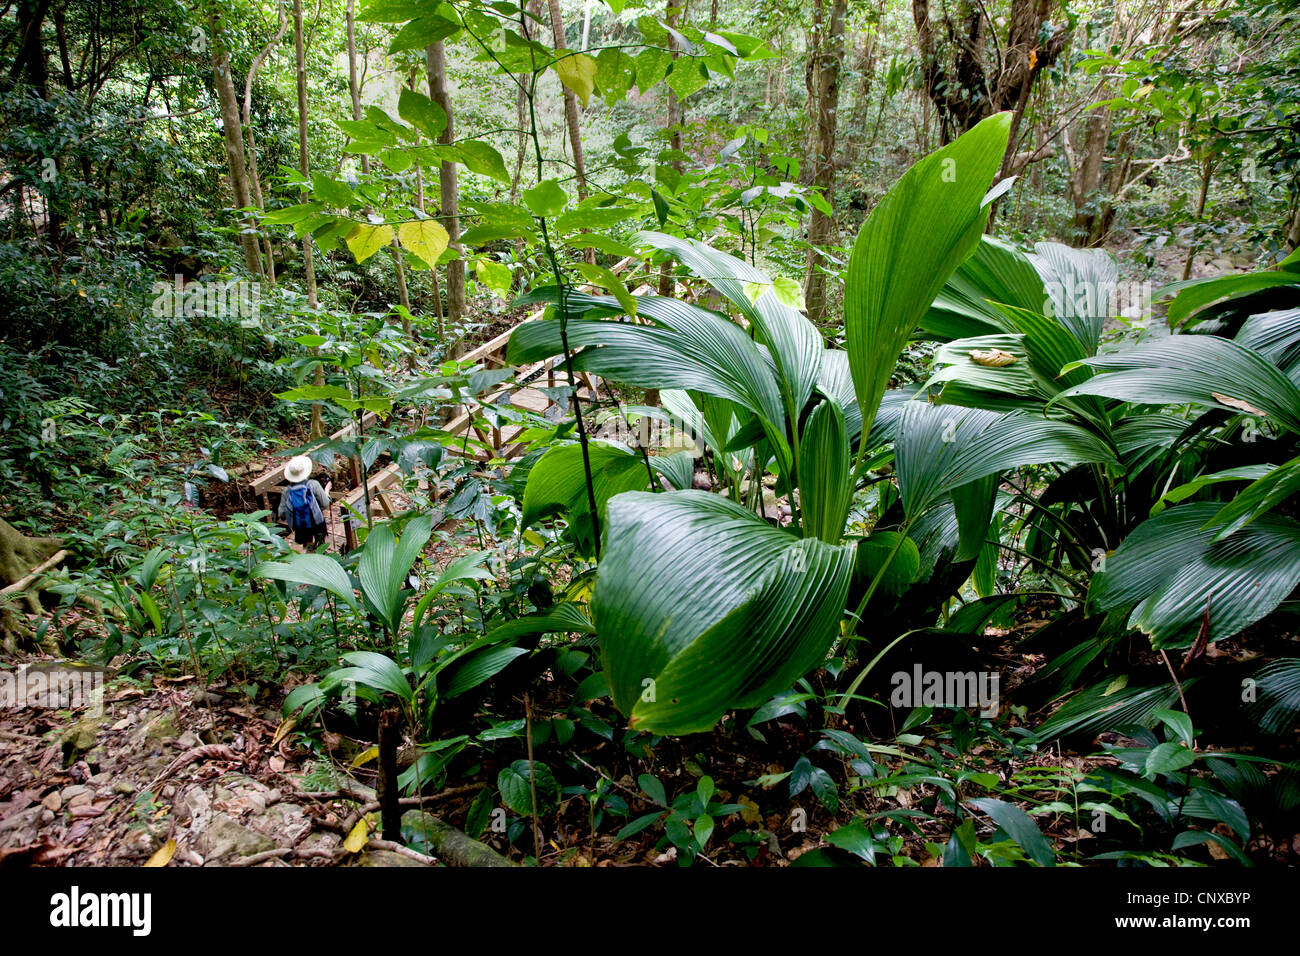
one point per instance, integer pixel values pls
(700, 605)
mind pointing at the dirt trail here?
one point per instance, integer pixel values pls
(175, 769)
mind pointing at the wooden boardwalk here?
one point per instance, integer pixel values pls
(523, 393)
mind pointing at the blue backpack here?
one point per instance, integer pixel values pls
(303, 506)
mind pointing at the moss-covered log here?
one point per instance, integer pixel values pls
(450, 845)
(19, 556)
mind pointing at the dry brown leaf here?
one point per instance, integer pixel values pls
(1238, 404)
(992, 358)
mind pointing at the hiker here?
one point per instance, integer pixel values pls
(303, 505)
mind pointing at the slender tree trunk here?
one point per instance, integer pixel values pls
(354, 88)
(255, 180)
(862, 103)
(810, 80)
(821, 227)
(1086, 174)
(308, 263)
(672, 15)
(30, 64)
(570, 104)
(232, 135)
(433, 273)
(1207, 174)
(436, 65)
(1293, 230)
(534, 10)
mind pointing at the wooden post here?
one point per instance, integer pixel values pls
(390, 809)
(349, 535)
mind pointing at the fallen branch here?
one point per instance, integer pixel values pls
(452, 846)
(262, 857)
(216, 751)
(24, 583)
(405, 851)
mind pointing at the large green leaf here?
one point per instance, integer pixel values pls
(384, 565)
(1082, 285)
(988, 371)
(1109, 705)
(1202, 369)
(825, 489)
(835, 381)
(890, 556)
(1276, 336)
(1264, 494)
(940, 448)
(1279, 695)
(479, 667)
(996, 272)
(1019, 826)
(564, 617)
(702, 607)
(317, 570)
(1196, 295)
(557, 482)
(690, 348)
(1189, 488)
(1175, 572)
(909, 246)
(794, 341)
(374, 670)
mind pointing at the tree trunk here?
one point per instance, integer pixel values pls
(308, 263)
(1207, 174)
(354, 89)
(812, 58)
(821, 226)
(436, 66)
(1086, 175)
(533, 11)
(672, 15)
(19, 555)
(232, 134)
(956, 76)
(30, 63)
(570, 104)
(255, 181)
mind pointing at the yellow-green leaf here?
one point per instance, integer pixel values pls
(163, 855)
(494, 275)
(788, 292)
(600, 276)
(358, 838)
(364, 241)
(365, 757)
(577, 72)
(424, 239)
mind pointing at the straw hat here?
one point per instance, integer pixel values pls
(298, 469)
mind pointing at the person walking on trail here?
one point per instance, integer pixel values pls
(304, 503)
